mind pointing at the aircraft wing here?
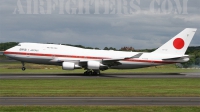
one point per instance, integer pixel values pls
(135, 56)
(114, 62)
(58, 60)
(105, 62)
(119, 59)
(109, 62)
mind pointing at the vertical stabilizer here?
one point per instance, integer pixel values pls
(178, 44)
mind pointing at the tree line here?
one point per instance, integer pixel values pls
(193, 51)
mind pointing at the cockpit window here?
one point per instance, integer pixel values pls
(19, 45)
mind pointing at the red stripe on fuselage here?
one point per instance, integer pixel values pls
(83, 57)
(53, 55)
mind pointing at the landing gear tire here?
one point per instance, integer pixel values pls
(23, 68)
(89, 72)
(96, 73)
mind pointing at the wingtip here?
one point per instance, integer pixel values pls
(137, 55)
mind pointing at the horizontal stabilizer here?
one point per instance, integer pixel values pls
(176, 58)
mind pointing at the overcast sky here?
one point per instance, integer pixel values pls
(111, 23)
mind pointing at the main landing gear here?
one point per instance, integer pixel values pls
(92, 72)
(23, 66)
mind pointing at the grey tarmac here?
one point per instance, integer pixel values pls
(108, 75)
(183, 101)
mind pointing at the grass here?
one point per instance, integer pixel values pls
(100, 108)
(100, 87)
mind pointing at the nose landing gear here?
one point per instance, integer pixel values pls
(23, 66)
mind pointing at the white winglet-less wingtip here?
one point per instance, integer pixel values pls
(93, 61)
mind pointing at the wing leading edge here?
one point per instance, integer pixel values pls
(109, 62)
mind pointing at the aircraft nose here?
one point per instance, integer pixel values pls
(8, 51)
(2, 52)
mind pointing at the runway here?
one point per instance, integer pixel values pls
(190, 101)
(126, 75)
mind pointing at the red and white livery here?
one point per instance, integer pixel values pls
(93, 61)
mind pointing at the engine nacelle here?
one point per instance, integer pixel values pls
(95, 65)
(69, 66)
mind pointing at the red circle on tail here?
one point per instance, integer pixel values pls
(178, 43)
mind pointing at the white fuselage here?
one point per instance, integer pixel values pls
(50, 53)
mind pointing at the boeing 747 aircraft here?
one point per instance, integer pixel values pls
(94, 61)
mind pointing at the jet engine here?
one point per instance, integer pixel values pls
(95, 65)
(69, 66)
